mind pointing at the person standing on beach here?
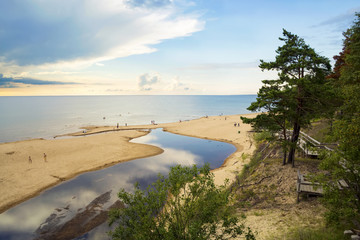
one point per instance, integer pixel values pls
(45, 158)
(30, 161)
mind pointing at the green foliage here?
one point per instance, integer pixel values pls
(263, 136)
(244, 156)
(321, 130)
(273, 99)
(186, 205)
(302, 77)
(253, 164)
(344, 164)
(342, 203)
(300, 93)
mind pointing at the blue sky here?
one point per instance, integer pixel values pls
(88, 47)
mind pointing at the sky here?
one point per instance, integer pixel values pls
(149, 47)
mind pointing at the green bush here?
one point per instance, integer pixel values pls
(263, 136)
(186, 205)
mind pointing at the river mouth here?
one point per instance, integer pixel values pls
(83, 200)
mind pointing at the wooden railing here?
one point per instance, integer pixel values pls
(310, 145)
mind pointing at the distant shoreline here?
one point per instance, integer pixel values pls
(26, 118)
(67, 158)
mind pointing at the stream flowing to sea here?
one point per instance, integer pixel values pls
(58, 205)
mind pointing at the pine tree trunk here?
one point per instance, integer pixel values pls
(293, 141)
(296, 130)
(284, 158)
(284, 147)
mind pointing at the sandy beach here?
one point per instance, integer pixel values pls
(21, 179)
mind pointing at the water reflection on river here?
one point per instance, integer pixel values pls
(69, 198)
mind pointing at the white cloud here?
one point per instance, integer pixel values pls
(147, 80)
(342, 19)
(176, 85)
(154, 82)
(54, 73)
(149, 3)
(61, 35)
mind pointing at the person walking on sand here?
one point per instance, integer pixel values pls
(45, 158)
(30, 161)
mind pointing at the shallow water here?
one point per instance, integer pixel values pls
(70, 197)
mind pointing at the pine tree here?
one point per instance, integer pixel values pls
(302, 84)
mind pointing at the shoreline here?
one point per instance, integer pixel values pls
(110, 143)
(35, 182)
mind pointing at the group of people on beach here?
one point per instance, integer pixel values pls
(117, 125)
(45, 158)
(236, 124)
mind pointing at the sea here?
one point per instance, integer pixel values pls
(29, 117)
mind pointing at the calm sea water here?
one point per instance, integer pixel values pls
(44, 117)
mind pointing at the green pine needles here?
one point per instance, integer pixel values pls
(299, 94)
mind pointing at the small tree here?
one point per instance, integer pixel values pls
(186, 205)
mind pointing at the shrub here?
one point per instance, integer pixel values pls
(186, 205)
